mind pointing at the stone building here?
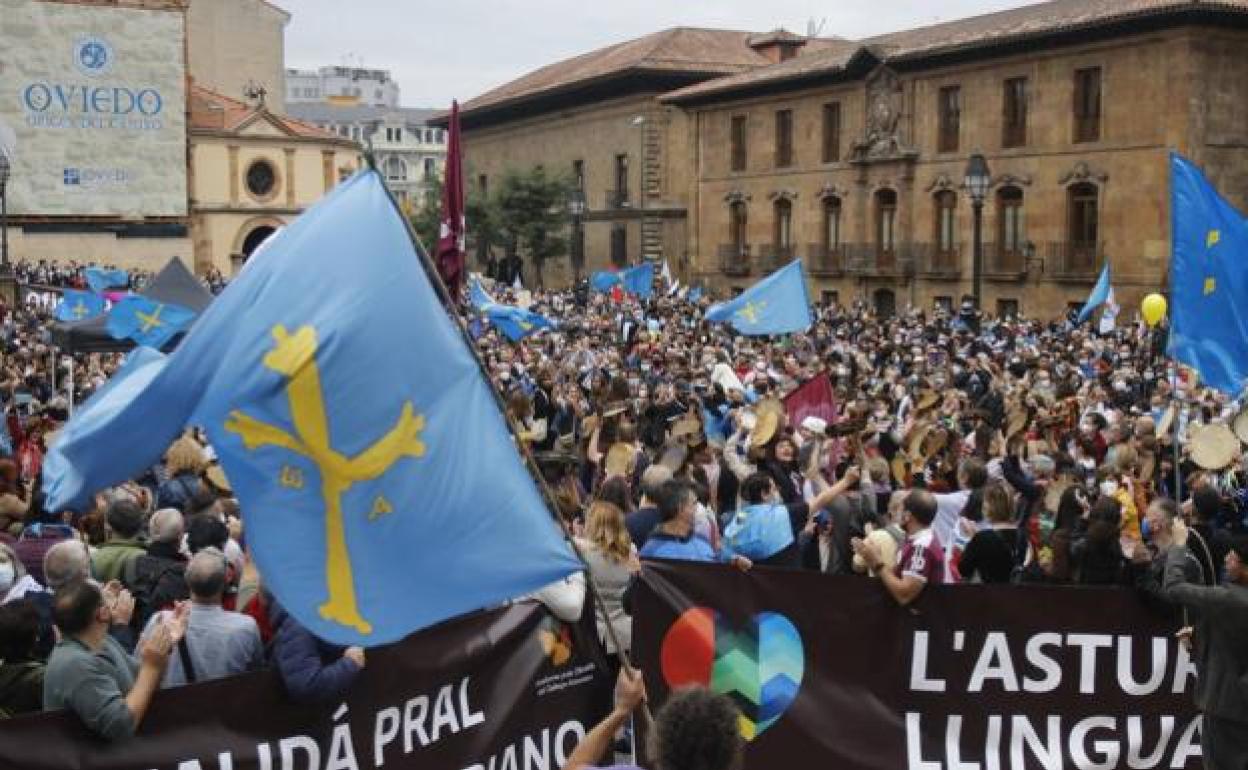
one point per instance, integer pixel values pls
(592, 117)
(851, 154)
(252, 171)
(354, 85)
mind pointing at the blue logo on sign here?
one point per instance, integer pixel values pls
(72, 177)
(93, 56)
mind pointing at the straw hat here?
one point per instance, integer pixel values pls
(1016, 422)
(1240, 425)
(927, 400)
(620, 459)
(918, 434)
(764, 429)
(687, 431)
(216, 477)
(1213, 447)
(901, 469)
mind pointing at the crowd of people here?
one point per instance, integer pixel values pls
(952, 447)
(72, 275)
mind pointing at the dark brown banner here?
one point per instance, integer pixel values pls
(509, 688)
(831, 673)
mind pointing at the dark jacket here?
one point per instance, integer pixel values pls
(1220, 621)
(178, 492)
(21, 687)
(313, 670)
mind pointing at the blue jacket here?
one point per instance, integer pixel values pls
(313, 670)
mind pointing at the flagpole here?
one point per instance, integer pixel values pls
(435, 278)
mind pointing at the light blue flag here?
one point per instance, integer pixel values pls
(603, 280)
(778, 304)
(516, 323)
(76, 466)
(1208, 280)
(478, 296)
(79, 306)
(380, 486)
(694, 294)
(1100, 293)
(147, 321)
(100, 278)
(640, 280)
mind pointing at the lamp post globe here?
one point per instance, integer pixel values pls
(977, 182)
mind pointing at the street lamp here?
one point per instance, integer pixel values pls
(576, 207)
(977, 182)
(8, 284)
(640, 122)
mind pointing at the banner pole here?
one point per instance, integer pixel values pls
(449, 304)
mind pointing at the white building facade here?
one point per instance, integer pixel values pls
(374, 88)
(409, 152)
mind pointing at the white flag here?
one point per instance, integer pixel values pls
(1109, 315)
(667, 273)
(675, 288)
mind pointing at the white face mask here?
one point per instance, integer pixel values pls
(7, 575)
(1109, 487)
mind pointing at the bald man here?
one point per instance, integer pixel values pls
(218, 642)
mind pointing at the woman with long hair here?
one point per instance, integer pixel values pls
(612, 560)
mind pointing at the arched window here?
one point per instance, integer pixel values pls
(886, 222)
(946, 221)
(831, 223)
(737, 223)
(396, 170)
(784, 227)
(1084, 225)
(1010, 231)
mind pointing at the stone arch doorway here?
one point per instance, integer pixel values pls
(254, 238)
(248, 238)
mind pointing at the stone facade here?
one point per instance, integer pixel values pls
(1183, 90)
(599, 136)
(231, 43)
(1152, 78)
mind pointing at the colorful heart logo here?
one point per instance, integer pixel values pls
(759, 667)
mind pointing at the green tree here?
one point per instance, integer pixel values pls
(426, 215)
(531, 213)
(479, 211)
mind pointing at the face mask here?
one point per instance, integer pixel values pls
(6, 576)
(1109, 487)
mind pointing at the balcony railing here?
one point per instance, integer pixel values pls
(871, 259)
(772, 257)
(826, 260)
(616, 199)
(1067, 260)
(1002, 261)
(933, 261)
(734, 259)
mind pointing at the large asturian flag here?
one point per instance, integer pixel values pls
(778, 304)
(449, 253)
(1208, 280)
(79, 305)
(146, 321)
(381, 489)
(101, 278)
(639, 280)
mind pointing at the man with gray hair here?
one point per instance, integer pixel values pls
(157, 578)
(641, 522)
(66, 562)
(218, 643)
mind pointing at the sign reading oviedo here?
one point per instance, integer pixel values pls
(830, 672)
(93, 109)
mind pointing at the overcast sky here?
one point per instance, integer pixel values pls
(444, 49)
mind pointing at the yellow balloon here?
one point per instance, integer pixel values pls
(1153, 308)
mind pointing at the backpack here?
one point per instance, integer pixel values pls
(155, 584)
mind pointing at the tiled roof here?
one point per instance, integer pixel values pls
(991, 29)
(211, 111)
(681, 49)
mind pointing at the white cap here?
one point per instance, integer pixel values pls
(815, 424)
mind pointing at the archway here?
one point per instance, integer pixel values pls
(254, 238)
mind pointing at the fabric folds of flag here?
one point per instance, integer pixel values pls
(449, 254)
(778, 304)
(147, 321)
(79, 306)
(1098, 295)
(639, 280)
(694, 294)
(477, 295)
(1208, 280)
(516, 323)
(604, 280)
(381, 489)
(101, 278)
